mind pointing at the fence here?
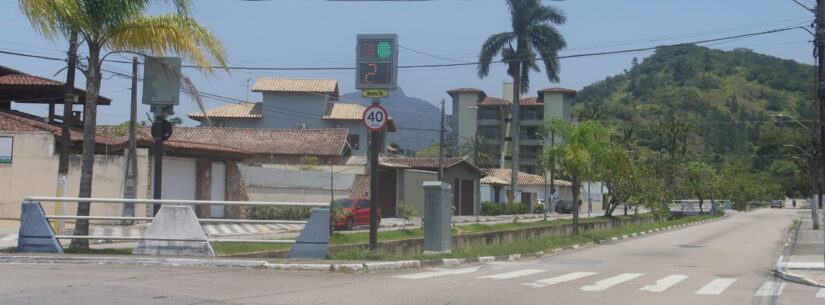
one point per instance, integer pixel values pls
(174, 230)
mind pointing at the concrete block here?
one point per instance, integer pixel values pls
(36, 234)
(313, 242)
(486, 259)
(348, 267)
(513, 257)
(450, 262)
(175, 231)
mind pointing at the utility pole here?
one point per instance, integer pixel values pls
(441, 145)
(130, 190)
(65, 131)
(820, 53)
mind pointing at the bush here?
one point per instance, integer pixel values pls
(517, 208)
(489, 208)
(279, 213)
(538, 208)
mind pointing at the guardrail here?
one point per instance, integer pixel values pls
(175, 230)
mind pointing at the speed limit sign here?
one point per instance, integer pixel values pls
(375, 118)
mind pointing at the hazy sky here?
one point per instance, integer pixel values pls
(315, 33)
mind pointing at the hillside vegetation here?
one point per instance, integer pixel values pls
(692, 103)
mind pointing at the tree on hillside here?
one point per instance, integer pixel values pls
(696, 180)
(534, 35)
(580, 153)
(118, 26)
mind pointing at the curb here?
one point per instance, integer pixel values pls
(781, 272)
(322, 267)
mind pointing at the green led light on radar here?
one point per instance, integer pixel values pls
(384, 49)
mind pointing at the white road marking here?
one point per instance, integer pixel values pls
(770, 289)
(514, 274)
(613, 281)
(821, 293)
(424, 275)
(560, 279)
(716, 286)
(665, 283)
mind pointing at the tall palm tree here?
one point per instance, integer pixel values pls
(479, 150)
(533, 33)
(119, 26)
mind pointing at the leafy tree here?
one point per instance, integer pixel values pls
(696, 180)
(533, 33)
(118, 26)
(580, 153)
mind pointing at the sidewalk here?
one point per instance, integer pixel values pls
(803, 261)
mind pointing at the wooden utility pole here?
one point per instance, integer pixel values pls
(441, 145)
(65, 131)
(130, 189)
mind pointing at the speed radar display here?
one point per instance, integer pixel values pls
(376, 61)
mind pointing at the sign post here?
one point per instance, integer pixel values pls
(376, 71)
(161, 91)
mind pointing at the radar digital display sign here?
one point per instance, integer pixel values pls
(376, 61)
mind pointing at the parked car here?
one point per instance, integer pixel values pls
(777, 204)
(359, 212)
(564, 206)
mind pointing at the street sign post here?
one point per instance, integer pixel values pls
(375, 118)
(376, 72)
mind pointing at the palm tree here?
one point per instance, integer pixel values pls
(118, 26)
(579, 154)
(533, 33)
(479, 150)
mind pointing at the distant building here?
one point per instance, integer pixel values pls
(475, 113)
(290, 103)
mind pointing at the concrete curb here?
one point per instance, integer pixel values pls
(781, 272)
(319, 267)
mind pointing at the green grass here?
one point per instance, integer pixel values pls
(521, 247)
(234, 248)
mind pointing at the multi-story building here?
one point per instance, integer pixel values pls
(476, 114)
(290, 103)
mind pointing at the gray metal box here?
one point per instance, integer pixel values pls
(437, 215)
(161, 81)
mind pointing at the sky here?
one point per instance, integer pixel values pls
(317, 33)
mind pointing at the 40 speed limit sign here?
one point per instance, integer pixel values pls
(375, 118)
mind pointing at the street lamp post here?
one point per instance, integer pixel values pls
(813, 169)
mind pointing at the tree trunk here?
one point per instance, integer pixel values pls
(514, 131)
(576, 194)
(700, 204)
(88, 158)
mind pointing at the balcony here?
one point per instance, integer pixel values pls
(531, 141)
(530, 122)
(489, 122)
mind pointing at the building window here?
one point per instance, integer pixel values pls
(531, 114)
(487, 113)
(528, 133)
(489, 133)
(354, 141)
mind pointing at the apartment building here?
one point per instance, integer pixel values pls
(474, 114)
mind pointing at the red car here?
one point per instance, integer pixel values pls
(359, 212)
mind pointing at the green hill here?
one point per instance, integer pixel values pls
(711, 105)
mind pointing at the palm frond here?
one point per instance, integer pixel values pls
(546, 13)
(489, 49)
(547, 41)
(170, 33)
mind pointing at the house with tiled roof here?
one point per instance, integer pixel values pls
(31, 167)
(477, 114)
(531, 187)
(294, 103)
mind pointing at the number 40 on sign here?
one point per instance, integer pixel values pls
(375, 118)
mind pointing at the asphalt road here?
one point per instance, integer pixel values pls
(725, 262)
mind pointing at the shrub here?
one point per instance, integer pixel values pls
(280, 213)
(538, 208)
(517, 208)
(489, 208)
(406, 211)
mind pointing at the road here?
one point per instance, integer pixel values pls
(724, 262)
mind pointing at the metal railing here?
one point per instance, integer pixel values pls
(176, 202)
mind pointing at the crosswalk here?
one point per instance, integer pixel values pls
(592, 282)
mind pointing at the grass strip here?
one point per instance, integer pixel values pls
(521, 247)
